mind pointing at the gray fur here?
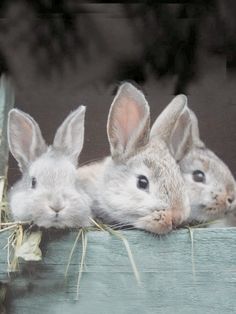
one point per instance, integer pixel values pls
(70, 135)
(173, 126)
(210, 200)
(24, 138)
(114, 181)
(58, 199)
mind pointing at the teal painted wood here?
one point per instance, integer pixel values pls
(6, 103)
(174, 279)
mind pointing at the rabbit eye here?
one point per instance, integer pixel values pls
(199, 176)
(33, 183)
(142, 182)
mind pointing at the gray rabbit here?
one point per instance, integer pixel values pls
(140, 184)
(209, 183)
(49, 192)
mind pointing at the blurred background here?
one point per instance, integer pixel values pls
(61, 54)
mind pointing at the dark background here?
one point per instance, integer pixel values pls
(61, 54)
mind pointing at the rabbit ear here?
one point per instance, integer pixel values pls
(173, 126)
(128, 124)
(69, 137)
(24, 137)
(195, 131)
(165, 122)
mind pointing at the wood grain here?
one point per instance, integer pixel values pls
(174, 279)
(6, 103)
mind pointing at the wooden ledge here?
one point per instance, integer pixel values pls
(177, 275)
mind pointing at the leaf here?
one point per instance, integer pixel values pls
(29, 249)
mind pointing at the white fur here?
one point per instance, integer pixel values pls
(55, 169)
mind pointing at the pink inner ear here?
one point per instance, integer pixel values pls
(128, 117)
(26, 135)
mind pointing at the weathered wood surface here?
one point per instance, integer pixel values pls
(6, 103)
(174, 278)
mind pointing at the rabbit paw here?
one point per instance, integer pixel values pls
(159, 222)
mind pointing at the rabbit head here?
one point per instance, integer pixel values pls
(209, 182)
(141, 182)
(49, 193)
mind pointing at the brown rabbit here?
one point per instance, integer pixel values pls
(140, 184)
(209, 183)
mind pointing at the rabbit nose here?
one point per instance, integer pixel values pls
(56, 209)
(230, 200)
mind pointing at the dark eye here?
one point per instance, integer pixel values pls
(142, 182)
(33, 183)
(199, 176)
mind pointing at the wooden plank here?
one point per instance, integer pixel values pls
(7, 100)
(174, 279)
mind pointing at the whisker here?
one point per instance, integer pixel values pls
(117, 224)
(120, 225)
(129, 228)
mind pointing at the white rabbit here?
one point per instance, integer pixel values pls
(49, 192)
(210, 184)
(140, 184)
